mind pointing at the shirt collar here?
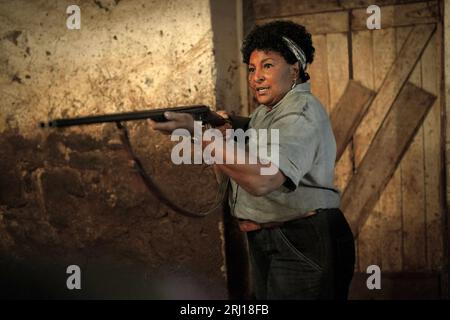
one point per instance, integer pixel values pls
(301, 87)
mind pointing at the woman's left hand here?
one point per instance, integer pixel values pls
(176, 120)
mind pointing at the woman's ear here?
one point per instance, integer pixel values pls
(295, 70)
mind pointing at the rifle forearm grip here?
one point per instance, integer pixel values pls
(239, 122)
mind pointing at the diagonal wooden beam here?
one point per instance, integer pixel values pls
(395, 79)
(384, 154)
(348, 112)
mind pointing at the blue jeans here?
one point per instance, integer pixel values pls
(309, 258)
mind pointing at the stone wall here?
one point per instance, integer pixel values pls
(70, 196)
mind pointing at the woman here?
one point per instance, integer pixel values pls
(300, 244)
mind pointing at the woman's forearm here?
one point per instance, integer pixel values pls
(249, 176)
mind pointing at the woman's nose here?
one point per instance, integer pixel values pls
(258, 76)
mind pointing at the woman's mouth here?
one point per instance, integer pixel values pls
(262, 90)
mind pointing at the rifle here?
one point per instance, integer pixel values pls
(199, 113)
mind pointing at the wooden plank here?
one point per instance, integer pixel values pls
(279, 8)
(363, 70)
(390, 222)
(393, 82)
(384, 54)
(375, 249)
(338, 21)
(414, 241)
(355, 4)
(338, 68)
(431, 66)
(386, 208)
(338, 75)
(413, 202)
(368, 240)
(344, 169)
(348, 113)
(383, 57)
(399, 15)
(384, 154)
(321, 23)
(390, 204)
(318, 71)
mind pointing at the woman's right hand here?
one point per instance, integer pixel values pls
(225, 126)
(176, 120)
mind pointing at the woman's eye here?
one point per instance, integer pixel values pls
(251, 70)
(268, 65)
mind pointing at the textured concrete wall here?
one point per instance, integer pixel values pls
(127, 56)
(69, 197)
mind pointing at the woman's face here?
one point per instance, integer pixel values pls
(270, 76)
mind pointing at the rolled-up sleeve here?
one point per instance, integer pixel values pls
(297, 145)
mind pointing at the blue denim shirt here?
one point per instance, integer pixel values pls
(307, 153)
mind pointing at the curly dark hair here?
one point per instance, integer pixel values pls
(269, 37)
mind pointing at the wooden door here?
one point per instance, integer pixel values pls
(401, 229)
